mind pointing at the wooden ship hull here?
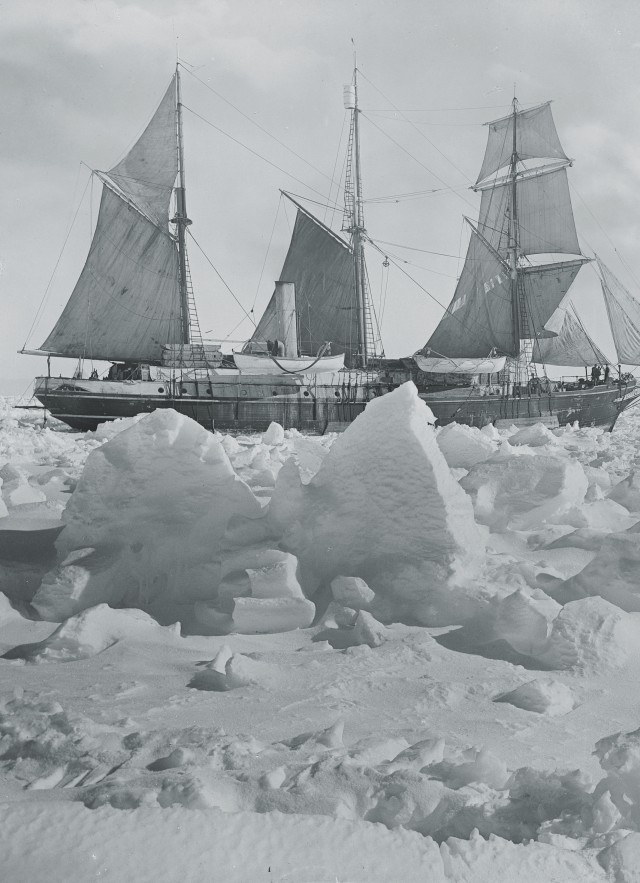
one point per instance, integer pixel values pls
(239, 404)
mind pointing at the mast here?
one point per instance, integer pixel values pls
(513, 234)
(181, 219)
(353, 194)
(358, 230)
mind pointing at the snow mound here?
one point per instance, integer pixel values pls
(384, 507)
(153, 503)
(591, 636)
(543, 697)
(515, 627)
(89, 633)
(533, 436)
(229, 671)
(464, 446)
(525, 490)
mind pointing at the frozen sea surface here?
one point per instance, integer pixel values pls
(396, 654)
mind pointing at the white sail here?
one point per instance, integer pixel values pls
(320, 264)
(571, 345)
(624, 316)
(545, 215)
(126, 303)
(147, 173)
(536, 138)
(478, 319)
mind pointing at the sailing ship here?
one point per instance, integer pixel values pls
(510, 316)
(315, 358)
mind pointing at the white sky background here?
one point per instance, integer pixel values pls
(80, 79)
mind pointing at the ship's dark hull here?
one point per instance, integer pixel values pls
(593, 406)
(242, 406)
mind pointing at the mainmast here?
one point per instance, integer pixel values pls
(181, 219)
(356, 222)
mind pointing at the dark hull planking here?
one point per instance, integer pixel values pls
(251, 407)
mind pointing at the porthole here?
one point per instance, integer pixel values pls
(209, 392)
(243, 392)
(183, 389)
(161, 389)
(306, 393)
(274, 393)
(337, 394)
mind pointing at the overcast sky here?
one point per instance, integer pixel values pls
(79, 80)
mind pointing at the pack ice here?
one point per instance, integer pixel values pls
(382, 655)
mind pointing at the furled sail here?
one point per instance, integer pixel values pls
(545, 216)
(479, 318)
(147, 173)
(624, 317)
(536, 138)
(125, 305)
(459, 366)
(320, 264)
(571, 346)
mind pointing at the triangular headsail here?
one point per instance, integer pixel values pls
(126, 304)
(320, 264)
(624, 317)
(571, 346)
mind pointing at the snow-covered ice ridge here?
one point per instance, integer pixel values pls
(401, 653)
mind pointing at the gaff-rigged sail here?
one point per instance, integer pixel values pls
(320, 264)
(624, 317)
(570, 346)
(126, 303)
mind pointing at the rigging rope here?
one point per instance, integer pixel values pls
(208, 260)
(254, 152)
(262, 129)
(53, 272)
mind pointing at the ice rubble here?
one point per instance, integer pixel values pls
(151, 525)
(373, 528)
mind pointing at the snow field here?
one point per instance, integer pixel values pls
(388, 652)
